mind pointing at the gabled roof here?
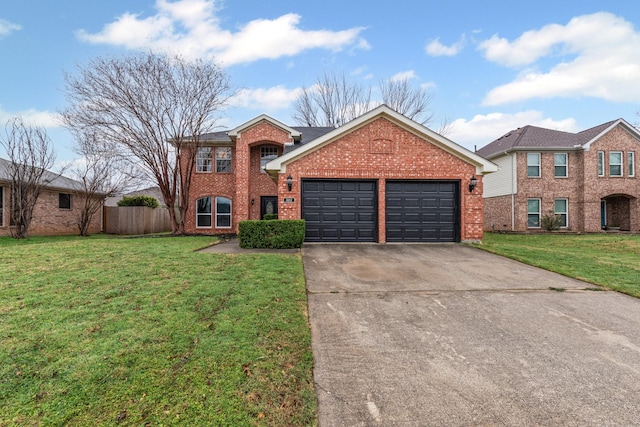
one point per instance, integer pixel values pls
(279, 164)
(233, 133)
(52, 180)
(301, 134)
(533, 137)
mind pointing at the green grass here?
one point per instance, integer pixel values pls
(608, 260)
(99, 331)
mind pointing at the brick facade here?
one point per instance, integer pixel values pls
(48, 218)
(404, 155)
(583, 188)
(380, 149)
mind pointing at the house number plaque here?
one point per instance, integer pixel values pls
(289, 200)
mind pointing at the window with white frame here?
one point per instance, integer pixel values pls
(203, 212)
(203, 159)
(615, 163)
(223, 212)
(267, 153)
(560, 165)
(561, 209)
(533, 165)
(223, 159)
(600, 163)
(533, 213)
(631, 163)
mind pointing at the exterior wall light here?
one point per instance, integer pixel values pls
(289, 182)
(472, 183)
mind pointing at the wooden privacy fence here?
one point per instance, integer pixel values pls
(136, 220)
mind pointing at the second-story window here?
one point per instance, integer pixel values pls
(203, 159)
(615, 163)
(533, 165)
(631, 163)
(267, 153)
(560, 165)
(223, 159)
(600, 163)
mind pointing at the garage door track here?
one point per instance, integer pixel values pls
(446, 334)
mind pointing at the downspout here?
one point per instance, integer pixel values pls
(513, 196)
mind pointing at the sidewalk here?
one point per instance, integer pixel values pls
(232, 246)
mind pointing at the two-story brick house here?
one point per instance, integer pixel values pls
(587, 178)
(379, 178)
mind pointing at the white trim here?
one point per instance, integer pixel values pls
(233, 133)
(566, 166)
(566, 213)
(600, 154)
(483, 165)
(632, 130)
(200, 160)
(621, 164)
(533, 213)
(539, 165)
(631, 163)
(230, 214)
(205, 213)
(230, 159)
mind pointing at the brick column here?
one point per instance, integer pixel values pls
(241, 202)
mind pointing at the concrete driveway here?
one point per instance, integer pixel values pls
(449, 335)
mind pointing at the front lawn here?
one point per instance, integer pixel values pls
(99, 331)
(608, 260)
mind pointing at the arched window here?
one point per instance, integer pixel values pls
(203, 212)
(223, 212)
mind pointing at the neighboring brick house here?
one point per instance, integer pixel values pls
(588, 178)
(57, 207)
(379, 178)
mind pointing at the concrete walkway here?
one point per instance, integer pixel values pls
(449, 335)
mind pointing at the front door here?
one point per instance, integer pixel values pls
(268, 205)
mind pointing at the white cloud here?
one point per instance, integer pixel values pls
(191, 28)
(7, 27)
(483, 129)
(271, 99)
(403, 75)
(594, 55)
(45, 119)
(435, 48)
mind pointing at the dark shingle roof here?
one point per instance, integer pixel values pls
(308, 134)
(536, 137)
(52, 180)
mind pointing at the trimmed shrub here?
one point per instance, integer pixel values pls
(147, 201)
(551, 221)
(269, 217)
(274, 234)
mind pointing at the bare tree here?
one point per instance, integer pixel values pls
(100, 174)
(334, 100)
(30, 155)
(412, 102)
(151, 109)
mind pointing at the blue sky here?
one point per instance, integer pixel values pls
(491, 65)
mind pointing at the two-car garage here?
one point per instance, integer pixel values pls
(347, 210)
(382, 178)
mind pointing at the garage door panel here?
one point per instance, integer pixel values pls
(346, 211)
(425, 211)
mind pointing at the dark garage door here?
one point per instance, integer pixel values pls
(422, 211)
(340, 211)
